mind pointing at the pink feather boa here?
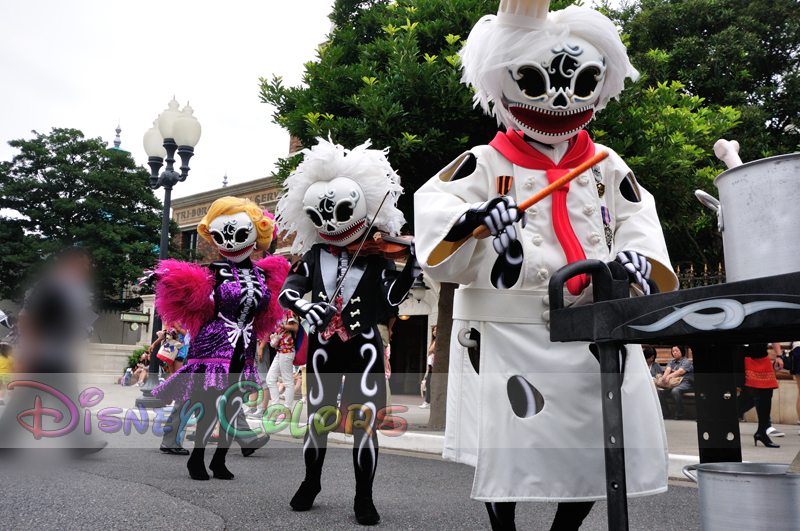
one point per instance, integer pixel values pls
(184, 294)
(275, 268)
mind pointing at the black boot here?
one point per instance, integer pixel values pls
(501, 516)
(217, 465)
(366, 514)
(570, 516)
(196, 464)
(303, 499)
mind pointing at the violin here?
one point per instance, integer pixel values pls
(390, 247)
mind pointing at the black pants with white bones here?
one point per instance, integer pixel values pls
(360, 360)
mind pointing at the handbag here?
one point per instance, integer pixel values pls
(788, 358)
(673, 383)
(169, 350)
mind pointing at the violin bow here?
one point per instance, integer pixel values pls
(360, 245)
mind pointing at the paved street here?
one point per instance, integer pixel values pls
(132, 485)
(145, 489)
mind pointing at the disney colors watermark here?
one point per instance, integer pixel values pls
(276, 419)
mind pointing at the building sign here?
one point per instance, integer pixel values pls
(134, 317)
(194, 214)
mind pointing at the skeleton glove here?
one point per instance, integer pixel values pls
(318, 314)
(499, 215)
(638, 268)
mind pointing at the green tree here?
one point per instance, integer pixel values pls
(741, 53)
(70, 190)
(666, 136)
(389, 73)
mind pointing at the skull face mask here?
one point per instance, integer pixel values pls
(553, 96)
(234, 235)
(338, 208)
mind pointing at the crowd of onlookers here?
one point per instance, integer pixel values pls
(761, 363)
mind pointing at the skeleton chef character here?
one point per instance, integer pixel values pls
(332, 200)
(524, 411)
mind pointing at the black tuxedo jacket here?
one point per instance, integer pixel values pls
(372, 282)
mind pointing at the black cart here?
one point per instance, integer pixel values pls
(711, 320)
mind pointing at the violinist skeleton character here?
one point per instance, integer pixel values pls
(332, 200)
(522, 410)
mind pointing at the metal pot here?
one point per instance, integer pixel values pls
(747, 496)
(757, 212)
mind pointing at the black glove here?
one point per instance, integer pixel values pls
(498, 214)
(638, 268)
(319, 314)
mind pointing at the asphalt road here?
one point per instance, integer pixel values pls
(143, 489)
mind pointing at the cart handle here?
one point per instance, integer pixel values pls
(607, 278)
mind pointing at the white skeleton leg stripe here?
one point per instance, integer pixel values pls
(374, 356)
(315, 401)
(366, 439)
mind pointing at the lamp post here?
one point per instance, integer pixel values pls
(173, 131)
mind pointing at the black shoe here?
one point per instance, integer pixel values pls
(366, 514)
(303, 499)
(678, 418)
(174, 451)
(765, 440)
(220, 470)
(197, 470)
(251, 447)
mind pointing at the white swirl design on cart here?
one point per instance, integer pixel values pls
(732, 314)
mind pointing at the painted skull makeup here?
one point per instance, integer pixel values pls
(553, 96)
(338, 208)
(234, 235)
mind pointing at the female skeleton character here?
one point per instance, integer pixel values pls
(331, 200)
(526, 412)
(225, 307)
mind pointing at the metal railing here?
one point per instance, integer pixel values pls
(690, 278)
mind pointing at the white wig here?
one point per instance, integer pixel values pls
(327, 161)
(492, 47)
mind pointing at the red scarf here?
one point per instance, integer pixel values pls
(581, 148)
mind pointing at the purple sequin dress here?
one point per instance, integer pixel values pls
(211, 351)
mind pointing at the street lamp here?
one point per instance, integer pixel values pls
(418, 289)
(173, 131)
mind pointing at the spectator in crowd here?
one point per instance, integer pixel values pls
(6, 368)
(142, 369)
(55, 321)
(652, 364)
(283, 365)
(297, 376)
(429, 369)
(760, 364)
(678, 378)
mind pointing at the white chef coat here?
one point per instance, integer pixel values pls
(556, 454)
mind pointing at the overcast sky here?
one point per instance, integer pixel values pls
(90, 63)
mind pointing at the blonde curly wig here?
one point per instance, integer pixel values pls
(229, 205)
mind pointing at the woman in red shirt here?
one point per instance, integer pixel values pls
(759, 374)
